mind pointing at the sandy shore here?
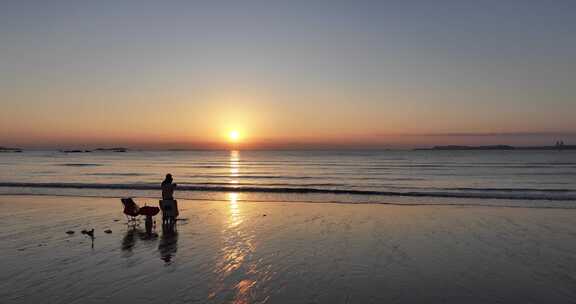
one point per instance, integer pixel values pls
(242, 252)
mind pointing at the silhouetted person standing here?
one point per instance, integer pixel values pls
(168, 188)
(168, 205)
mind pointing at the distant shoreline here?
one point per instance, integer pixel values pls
(498, 147)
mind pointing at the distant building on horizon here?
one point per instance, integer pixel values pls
(560, 144)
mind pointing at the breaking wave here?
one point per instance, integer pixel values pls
(477, 193)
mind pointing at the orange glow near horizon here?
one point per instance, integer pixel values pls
(233, 119)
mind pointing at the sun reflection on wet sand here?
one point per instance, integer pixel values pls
(236, 274)
(243, 291)
(238, 243)
(235, 217)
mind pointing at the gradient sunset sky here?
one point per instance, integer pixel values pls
(287, 74)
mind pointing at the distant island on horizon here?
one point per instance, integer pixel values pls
(96, 150)
(13, 150)
(558, 146)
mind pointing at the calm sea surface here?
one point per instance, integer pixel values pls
(500, 178)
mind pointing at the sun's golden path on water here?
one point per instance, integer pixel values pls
(237, 245)
(234, 167)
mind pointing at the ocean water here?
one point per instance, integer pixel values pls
(540, 179)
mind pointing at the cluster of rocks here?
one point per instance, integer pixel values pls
(89, 233)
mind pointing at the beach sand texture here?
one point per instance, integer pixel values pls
(247, 252)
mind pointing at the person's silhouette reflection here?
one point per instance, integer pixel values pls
(168, 243)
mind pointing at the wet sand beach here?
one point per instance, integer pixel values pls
(273, 252)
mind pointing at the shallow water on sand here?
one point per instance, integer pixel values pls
(241, 252)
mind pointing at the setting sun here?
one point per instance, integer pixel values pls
(234, 136)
